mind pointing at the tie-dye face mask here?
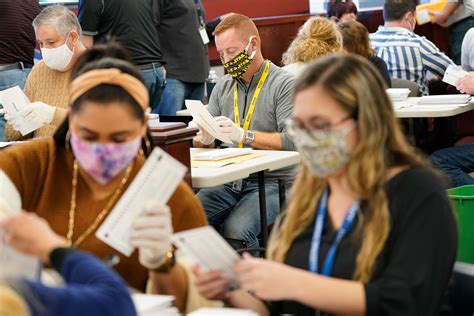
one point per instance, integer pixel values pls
(104, 161)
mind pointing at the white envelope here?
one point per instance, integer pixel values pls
(209, 249)
(13, 101)
(444, 99)
(453, 74)
(202, 117)
(157, 180)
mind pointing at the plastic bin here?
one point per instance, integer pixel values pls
(463, 201)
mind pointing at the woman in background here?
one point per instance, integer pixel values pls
(317, 37)
(355, 39)
(341, 11)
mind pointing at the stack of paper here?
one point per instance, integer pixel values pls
(219, 154)
(13, 100)
(447, 99)
(150, 305)
(222, 311)
(13, 263)
(398, 94)
(223, 162)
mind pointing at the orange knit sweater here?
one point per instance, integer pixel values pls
(42, 173)
(48, 86)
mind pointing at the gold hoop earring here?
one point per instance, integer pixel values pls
(147, 144)
(67, 140)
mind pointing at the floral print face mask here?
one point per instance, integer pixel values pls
(323, 152)
(104, 161)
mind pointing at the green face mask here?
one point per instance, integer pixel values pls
(238, 66)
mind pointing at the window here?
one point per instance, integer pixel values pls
(320, 6)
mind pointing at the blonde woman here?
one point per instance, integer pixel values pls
(317, 37)
(368, 230)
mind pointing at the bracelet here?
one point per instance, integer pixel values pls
(170, 262)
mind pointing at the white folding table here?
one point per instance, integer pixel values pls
(270, 161)
(410, 109)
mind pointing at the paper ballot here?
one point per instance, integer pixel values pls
(156, 180)
(13, 101)
(10, 199)
(13, 263)
(208, 248)
(202, 117)
(453, 74)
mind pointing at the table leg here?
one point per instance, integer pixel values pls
(263, 208)
(282, 193)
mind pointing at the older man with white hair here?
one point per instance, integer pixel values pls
(58, 34)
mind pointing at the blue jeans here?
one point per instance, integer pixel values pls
(456, 162)
(236, 214)
(176, 92)
(8, 79)
(155, 83)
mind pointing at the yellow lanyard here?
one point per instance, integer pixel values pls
(253, 103)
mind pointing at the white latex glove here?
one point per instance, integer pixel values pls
(229, 129)
(15, 120)
(202, 136)
(152, 235)
(38, 112)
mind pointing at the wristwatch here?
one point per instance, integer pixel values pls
(169, 263)
(249, 138)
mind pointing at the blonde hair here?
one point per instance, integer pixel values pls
(11, 303)
(358, 87)
(317, 37)
(240, 22)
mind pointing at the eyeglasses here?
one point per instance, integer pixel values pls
(294, 127)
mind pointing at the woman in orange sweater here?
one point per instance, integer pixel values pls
(74, 179)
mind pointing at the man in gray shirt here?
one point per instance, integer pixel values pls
(256, 118)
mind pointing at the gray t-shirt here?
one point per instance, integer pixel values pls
(274, 106)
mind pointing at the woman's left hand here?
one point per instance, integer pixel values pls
(152, 235)
(266, 279)
(30, 234)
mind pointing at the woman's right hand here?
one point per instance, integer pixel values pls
(212, 285)
(202, 136)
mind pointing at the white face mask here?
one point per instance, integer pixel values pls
(57, 58)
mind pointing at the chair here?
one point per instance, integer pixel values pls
(402, 83)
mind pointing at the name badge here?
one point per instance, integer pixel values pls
(204, 37)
